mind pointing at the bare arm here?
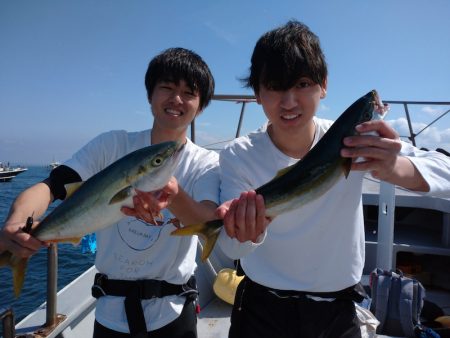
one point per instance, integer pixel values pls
(32, 201)
(188, 211)
(381, 156)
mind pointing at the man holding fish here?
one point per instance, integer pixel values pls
(303, 269)
(146, 279)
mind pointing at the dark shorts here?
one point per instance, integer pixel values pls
(185, 326)
(258, 313)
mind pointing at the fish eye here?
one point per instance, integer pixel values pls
(157, 161)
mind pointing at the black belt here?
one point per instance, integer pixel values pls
(356, 292)
(135, 290)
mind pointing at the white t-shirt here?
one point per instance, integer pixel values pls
(318, 247)
(133, 249)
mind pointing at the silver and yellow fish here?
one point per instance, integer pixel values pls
(96, 203)
(310, 177)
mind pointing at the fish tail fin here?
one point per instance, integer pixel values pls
(209, 231)
(209, 245)
(18, 266)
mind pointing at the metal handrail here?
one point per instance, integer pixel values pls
(244, 99)
(412, 135)
(52, 285)
(432, 122)
(7, 318)
(52, 318)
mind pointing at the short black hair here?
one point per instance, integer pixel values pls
(176, 64)
(285, 54)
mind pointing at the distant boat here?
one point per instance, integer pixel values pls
(7, 173)
(53, 165)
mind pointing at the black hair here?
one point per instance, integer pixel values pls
(176, 64)
(285, 54)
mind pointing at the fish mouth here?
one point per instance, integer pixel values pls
(180, 146)
(379, 107)
(178, 150)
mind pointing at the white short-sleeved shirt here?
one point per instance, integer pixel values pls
(133, 249)
(318, 247)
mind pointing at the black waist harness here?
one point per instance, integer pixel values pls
(134, 291)
(355, 292)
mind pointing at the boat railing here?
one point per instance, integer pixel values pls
(52, 317)
(7, 318)
(243, 100)
(406, 104)
(239, 99)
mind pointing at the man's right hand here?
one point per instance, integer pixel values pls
(17, 241)
(147, 206)
(244, 217)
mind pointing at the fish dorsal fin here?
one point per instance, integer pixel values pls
(283, 171)
(346, 166)
(72, 187)
(121, 195)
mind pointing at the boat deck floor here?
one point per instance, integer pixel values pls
(213, 322)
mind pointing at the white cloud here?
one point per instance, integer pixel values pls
(221, 33)
(323, 108)
(202, 124)
(432, 111)
(431, 138)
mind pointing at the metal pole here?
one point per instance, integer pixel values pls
(193, 131)
(7, 317)
(411, 132)
(432, 122)
(52, 281)
(241, 117)
(386, 212)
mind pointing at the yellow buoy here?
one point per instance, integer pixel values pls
(225, 285)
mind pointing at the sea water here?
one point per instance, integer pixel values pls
(71, 262)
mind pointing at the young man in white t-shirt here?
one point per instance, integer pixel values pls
(179, 86)
(302, 271)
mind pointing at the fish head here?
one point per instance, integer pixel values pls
(158, 165)
(367, 108)
(371, 107)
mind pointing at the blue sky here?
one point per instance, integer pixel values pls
(73, 69)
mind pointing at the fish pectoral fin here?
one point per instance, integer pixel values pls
(209, 231)
(73, 240)
(346, 166)
(121, 195)
(18, 266)
(72, 187)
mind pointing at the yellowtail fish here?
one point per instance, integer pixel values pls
(96, 203)
(310, 177)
